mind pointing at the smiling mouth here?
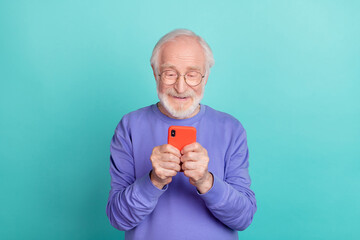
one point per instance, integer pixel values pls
(180, 98)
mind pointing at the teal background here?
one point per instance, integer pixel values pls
(288, 70)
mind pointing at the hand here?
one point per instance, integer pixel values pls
(165, 161)
(195, 162)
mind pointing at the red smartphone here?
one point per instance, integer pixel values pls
(180, 136)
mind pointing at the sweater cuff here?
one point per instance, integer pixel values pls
(147, 190)
(216, 192)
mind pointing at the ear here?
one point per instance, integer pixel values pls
(207, 73)
(154, 72)
(206, 79)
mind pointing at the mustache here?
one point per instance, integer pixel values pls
(172, 92)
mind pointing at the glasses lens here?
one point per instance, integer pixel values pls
(169, 76)
(193, 78)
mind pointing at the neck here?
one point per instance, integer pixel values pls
(165, 112)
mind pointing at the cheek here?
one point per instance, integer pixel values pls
(165, 89)
(199, 91)
(161, 88)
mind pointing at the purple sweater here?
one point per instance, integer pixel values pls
(178, 211)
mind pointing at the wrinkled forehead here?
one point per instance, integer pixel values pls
(184, 49)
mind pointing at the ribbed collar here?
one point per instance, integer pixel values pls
(179, 122)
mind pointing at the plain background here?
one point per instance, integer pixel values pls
(288, 70)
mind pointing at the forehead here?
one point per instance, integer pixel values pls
(182, 52)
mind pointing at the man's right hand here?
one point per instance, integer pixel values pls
(165, 161)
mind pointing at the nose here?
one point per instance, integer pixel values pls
(180, 85)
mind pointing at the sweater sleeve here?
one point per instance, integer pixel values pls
(231, 200)
(130, 200)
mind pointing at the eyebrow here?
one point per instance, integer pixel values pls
(166, 65)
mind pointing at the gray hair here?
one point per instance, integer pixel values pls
(182, 32)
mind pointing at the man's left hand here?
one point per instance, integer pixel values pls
(195, 162)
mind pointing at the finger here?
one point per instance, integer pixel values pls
(192, 156)
(169, 157)
(170, 173)
(193, 147)
(193, 175)
(189, 173)
(167, 148)
(189, 165)
(163, 173)
(171, 166)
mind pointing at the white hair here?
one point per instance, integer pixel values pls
(177, 33)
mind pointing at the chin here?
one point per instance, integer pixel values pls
(179, 110)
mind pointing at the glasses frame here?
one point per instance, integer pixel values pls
(184, 75)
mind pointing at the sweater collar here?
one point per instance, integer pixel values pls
(180, 122)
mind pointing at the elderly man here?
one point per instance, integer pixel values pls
(159, 192)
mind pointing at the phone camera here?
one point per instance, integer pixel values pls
(173, 133)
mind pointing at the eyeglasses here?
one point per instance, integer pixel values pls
(192, 78)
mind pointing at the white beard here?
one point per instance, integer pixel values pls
(181, 112)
